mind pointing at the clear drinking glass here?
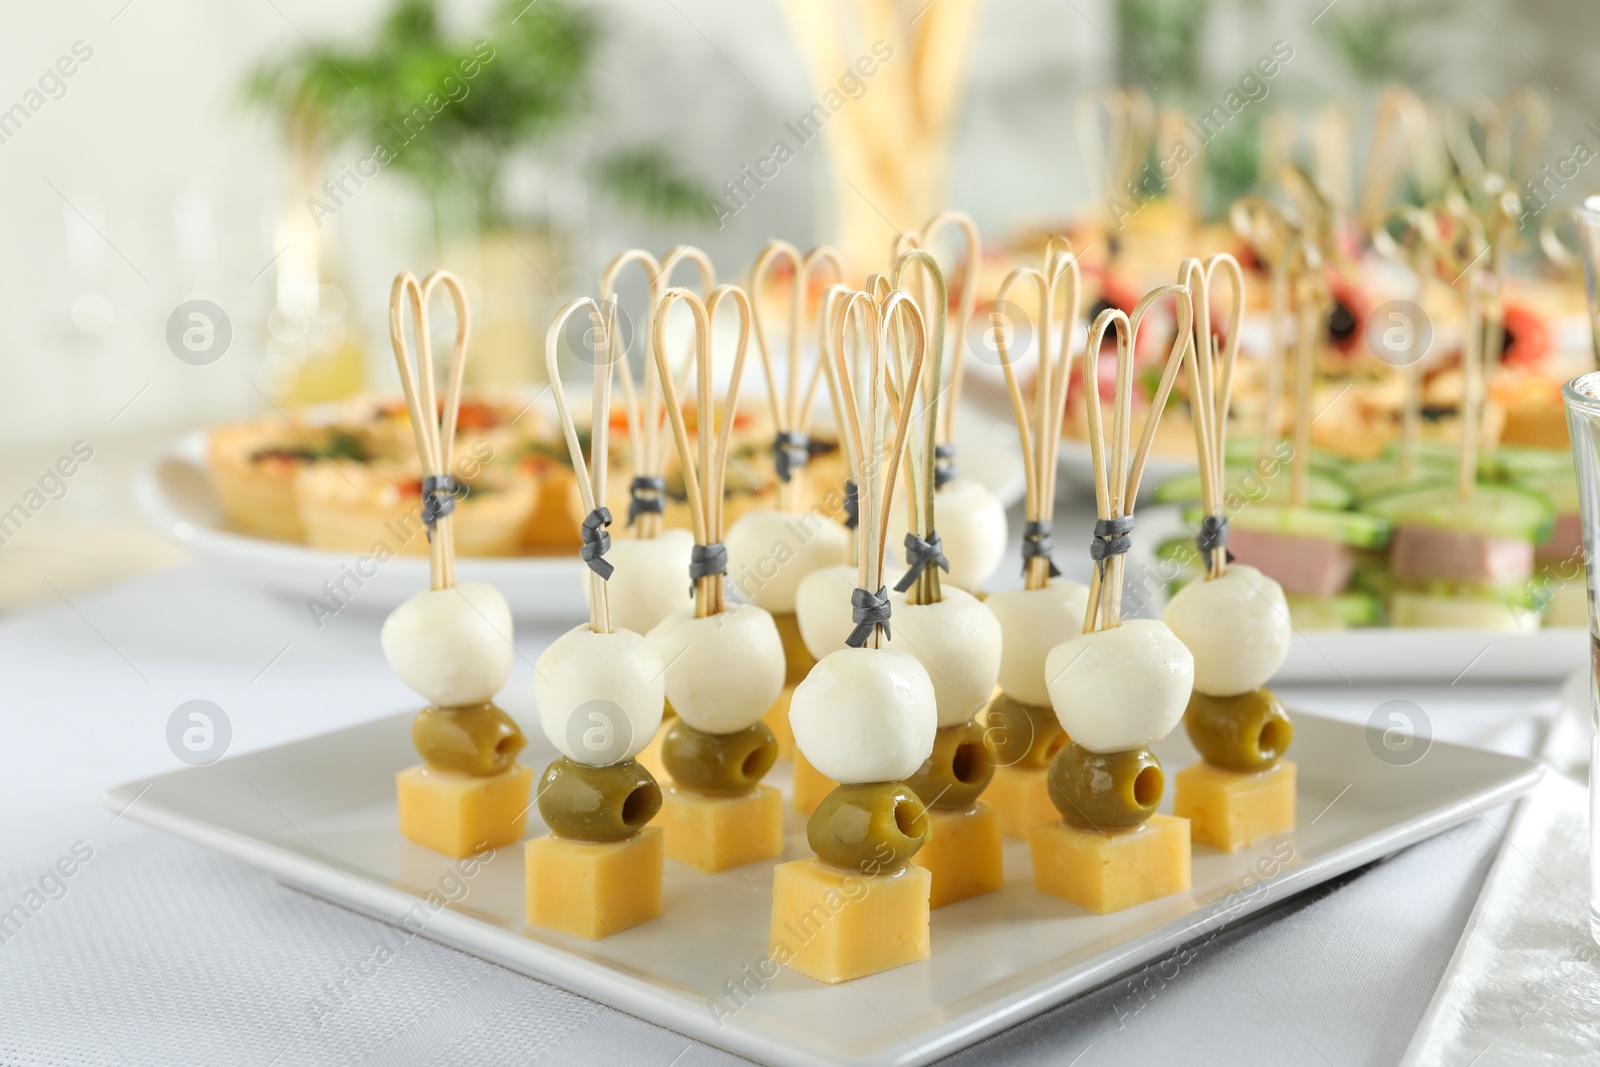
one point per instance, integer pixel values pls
(1582, 396)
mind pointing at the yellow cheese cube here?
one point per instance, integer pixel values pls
(1108, 872)
(834, 925)
(713, 834)
(964, 854)
(593, 889)
(810, 785)
(777, 720)
(1022, 797)
(458, 814)
(1228, 810)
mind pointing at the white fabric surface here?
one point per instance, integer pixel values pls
(157, 951)
(1524, 985)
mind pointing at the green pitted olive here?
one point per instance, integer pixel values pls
(478, 739)
(797, 659)
(597, 803)
(1023, 735)
(957, 772)
(720, 764)
(1111, 791)
(871, 829)
(1248, 732)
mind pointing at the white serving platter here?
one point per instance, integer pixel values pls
(174, 495)
(320, 815)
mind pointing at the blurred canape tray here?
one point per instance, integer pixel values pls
(175, 495)
(1402, 653)
(320, 815)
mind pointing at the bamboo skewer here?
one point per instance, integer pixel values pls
(1040, 438)
(791, 405)
(591, 474)
(1117, 476)
(1210, 382)
(920, 466)
(706, 485)
(433, 427)
(867, 420)
(646, 416)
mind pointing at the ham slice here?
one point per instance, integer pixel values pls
(1566, 541)
(1310, 566)
(1431, 554)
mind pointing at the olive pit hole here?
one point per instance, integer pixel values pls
(1274, 738)
(1147, 786)
(641, 805)
(908, 818)
(964, 763)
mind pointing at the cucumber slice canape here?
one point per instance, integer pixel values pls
(1345, 527)
(1245, 483)
(1494, 509)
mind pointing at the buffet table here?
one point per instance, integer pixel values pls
(152, 944)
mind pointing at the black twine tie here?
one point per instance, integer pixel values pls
(867, 611)
(706, 560)
(852, 505)
(596, 542)
(1112, 537)
(438, 499)
(790, 452)
(944, 464)
(646, 496)
(1036, 544)
(919, 554)
(1213, 536)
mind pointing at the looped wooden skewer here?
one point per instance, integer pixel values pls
(866, 420)
(1268, 234)
(646, 416)
(1211, 389)
(433, 427)
(1041, 437)
(591, 473)
(1305, 270)
(832, 302)
(1418, 246)
(706, 484)
(921, 479)
(1113, 157)
(1399, 136)
(791, 405)
(1117, 477)
(971, 263)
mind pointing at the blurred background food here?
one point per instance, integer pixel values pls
(281, 161)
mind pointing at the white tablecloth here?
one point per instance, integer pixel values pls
(157, 951)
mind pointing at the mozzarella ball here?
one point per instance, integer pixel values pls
(1115, 690)
(865, 715)
(723, 671)
(451, 646)
(972, 525)
(651, 580)
(769, 552)
(1032, 622)
(958, 641)
(1237, 626)
(823, 610)
(600, 695)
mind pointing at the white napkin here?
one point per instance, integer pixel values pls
(1524, 983)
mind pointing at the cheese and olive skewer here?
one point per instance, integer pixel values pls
(452, 643)
(724, 665)
(600, 692)
(1048, 609)
(865, 715)
(951, 633)
(1118, 687)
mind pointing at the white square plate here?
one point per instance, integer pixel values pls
(320, 814)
